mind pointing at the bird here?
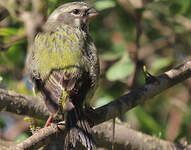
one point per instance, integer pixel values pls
(64, 67)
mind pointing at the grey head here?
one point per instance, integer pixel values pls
(75, 14)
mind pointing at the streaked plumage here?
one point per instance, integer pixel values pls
(64, 66)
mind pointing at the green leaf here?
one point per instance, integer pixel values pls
(2, 124)
(179, 6)
(120, 70)
(21, 137)
(148, 121)
(185, 5)
(103, 100)
(160, 63)
(104, 4)
(8, 31)
(179, 29)
(175, 8)
(109, 56)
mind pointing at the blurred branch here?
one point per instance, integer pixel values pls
(134, 52)
(4, 145)
(165, 29)
(3, 14)
(125, 138)
(150, 48)
(185, 22)
(22, 104)
(179, 102)
(128, 7)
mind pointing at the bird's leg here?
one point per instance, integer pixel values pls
(49, 121)
(89, 110)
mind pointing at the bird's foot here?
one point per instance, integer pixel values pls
(58, 125)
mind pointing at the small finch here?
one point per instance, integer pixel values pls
(64, 66)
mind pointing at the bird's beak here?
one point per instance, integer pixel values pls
(92, 13)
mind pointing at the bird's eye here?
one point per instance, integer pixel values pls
(76, 11)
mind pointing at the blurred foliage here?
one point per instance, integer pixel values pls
(2, 124)
(21, 137)
(157, 32)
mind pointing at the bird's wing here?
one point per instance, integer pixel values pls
(60, 85)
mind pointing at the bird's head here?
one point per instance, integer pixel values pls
(76, 14)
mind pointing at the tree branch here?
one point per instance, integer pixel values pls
(140, 95)
(22, 104)
(41, 137)
(34, 107)
(3, 14)
(13, 102)
(125, 138)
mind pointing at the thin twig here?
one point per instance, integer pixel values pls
(134, 53)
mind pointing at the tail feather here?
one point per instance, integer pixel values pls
(78, 130)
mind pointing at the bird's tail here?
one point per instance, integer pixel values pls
(78, 129)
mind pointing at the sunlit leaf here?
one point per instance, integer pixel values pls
(120, 70)
(148, 121)
(116, 52)
(160, 63)
(103, 100)
(8, 31)
(104, 4)
(21, 137)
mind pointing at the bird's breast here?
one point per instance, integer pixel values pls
(61, 49)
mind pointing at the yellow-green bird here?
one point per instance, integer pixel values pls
(64, 66)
